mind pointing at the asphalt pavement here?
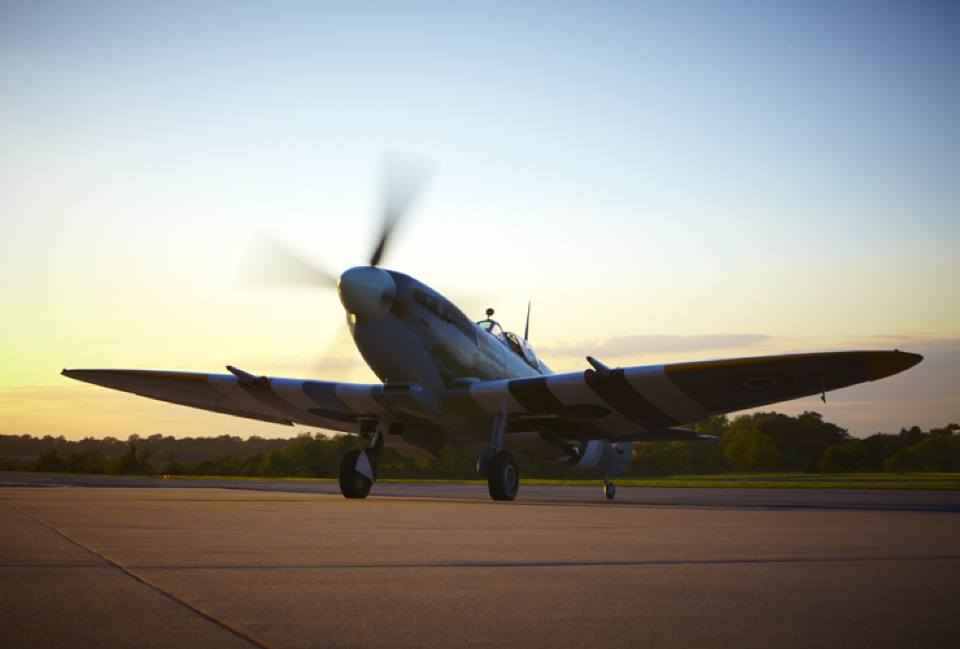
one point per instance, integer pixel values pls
(296, 565)
(872, 499)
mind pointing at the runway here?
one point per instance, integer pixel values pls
(426, 565)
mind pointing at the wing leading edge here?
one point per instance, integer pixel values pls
(335, 406)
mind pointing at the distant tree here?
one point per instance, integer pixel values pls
(744, 445)
(205, 468)
(129, 463)
(790, 460)
(940, 453)
(172, 467)
(310, 456)
(807, 434)
(913, 435)
(715, 426)
(861, 455)
(143, 462)
(49, 462)
(749, 449)
(251, 465)
(91, 461)
(835, 460)
(949, 429)
(276, 464)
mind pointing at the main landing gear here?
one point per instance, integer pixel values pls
(499, 467)
(358, 469)
(503, 481)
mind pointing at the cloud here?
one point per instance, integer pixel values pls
(78, 411)
(906, 342)
(863, 418)
(621, 346)
(338, 365)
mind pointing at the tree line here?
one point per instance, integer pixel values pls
(187, 449)
(765, 441)
(769, 441)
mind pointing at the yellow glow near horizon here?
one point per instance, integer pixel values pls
(634, 171)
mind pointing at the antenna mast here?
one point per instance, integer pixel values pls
(526, 330)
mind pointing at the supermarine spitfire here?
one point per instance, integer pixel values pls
(449, 381)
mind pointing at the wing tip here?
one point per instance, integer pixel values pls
(884, 364)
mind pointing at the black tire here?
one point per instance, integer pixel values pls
(611, 492)
(353, 484)
(504, 478)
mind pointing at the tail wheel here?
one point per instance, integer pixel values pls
(504, 477)
(353, 484)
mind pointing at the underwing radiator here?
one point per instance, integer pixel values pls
(605, 457)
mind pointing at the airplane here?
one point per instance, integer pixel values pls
(446, 380)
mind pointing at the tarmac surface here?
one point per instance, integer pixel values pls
(127, 562)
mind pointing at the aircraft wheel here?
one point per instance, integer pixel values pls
(611, 491)
(353, 484)
(504, 478)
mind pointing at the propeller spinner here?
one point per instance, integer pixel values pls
(367, 292)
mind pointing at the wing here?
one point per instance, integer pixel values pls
(642, 403)
(334, 406)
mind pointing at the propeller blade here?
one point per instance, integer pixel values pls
(267, 262)
(340, 360)
(405, 174)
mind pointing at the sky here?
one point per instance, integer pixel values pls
(664, 181)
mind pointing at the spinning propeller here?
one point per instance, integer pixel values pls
(364, 290)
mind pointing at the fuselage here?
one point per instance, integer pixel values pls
(409, 333)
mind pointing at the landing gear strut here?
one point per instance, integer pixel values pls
(608, 487)
(358, 469)
(499, 467)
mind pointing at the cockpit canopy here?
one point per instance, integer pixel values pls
(492, 327)
(512, 341)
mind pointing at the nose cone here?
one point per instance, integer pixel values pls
(367, 292)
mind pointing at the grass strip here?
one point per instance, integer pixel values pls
(910, 481)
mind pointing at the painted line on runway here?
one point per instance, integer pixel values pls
(199, 611)
(563, 564)
(626, 498)
(40, 484)
(921, 508)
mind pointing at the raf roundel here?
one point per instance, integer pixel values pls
(755, 382)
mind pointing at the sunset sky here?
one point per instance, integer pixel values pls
(665, 181)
